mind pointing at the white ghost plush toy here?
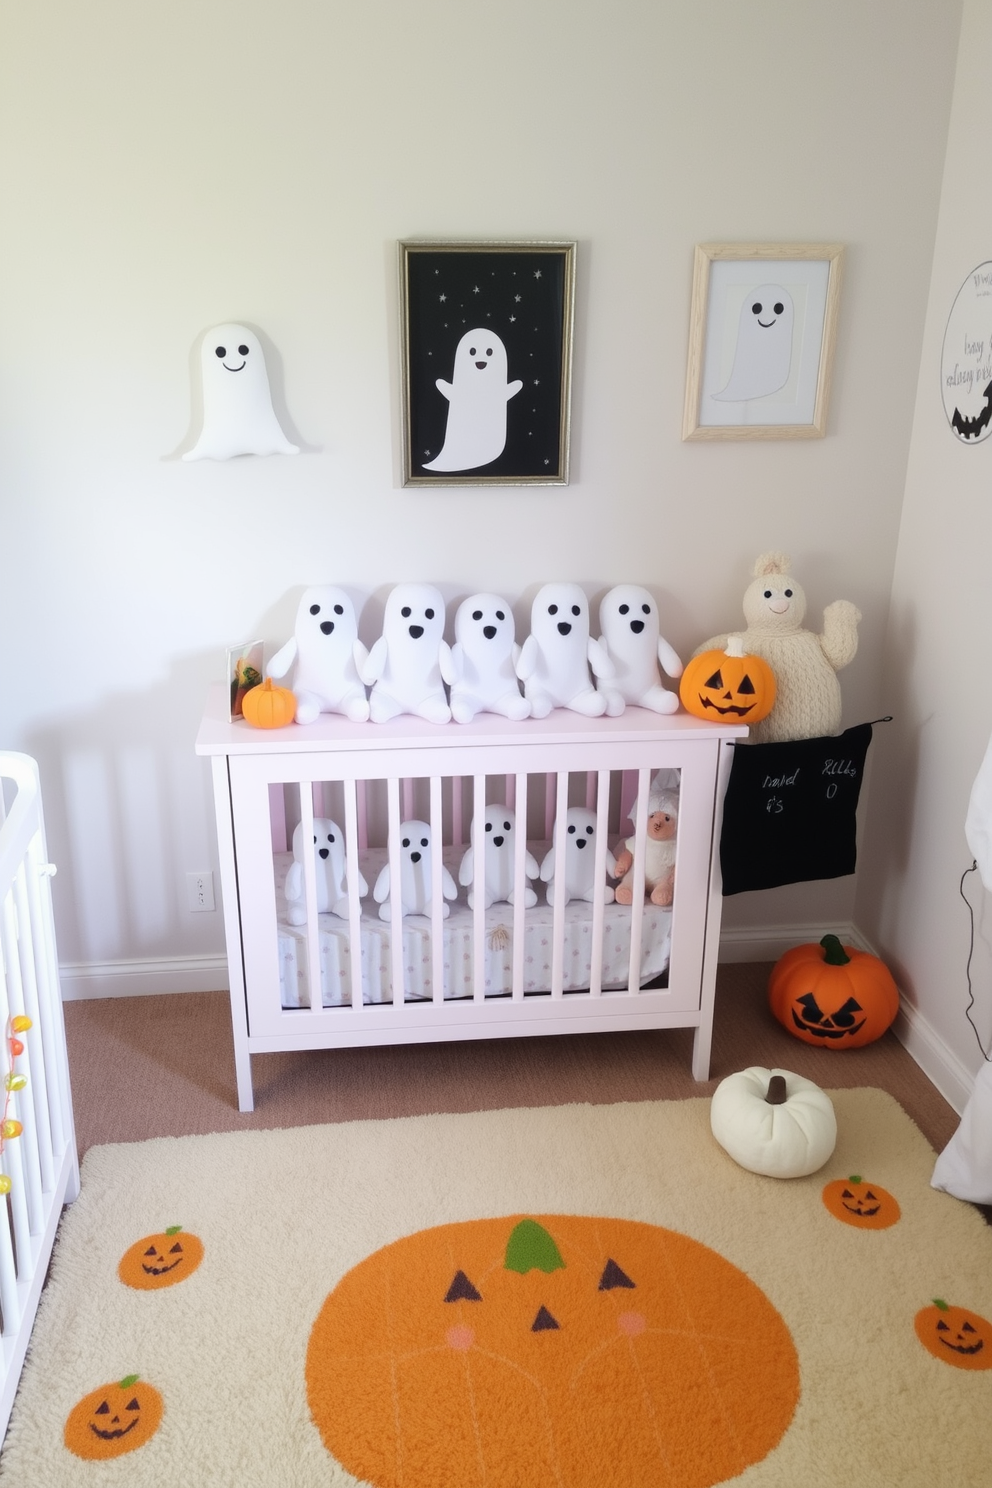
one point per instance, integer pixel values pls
(238, 417)
(580, 858)
(483, 659)
(328, 654)
(411, 661)
(499, 830)
(415, 875)
(329, 871)
(628, 621)
(555, 658)
(477, 395)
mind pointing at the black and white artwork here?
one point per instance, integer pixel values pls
(486, 362)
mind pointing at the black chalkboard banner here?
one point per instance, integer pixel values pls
(790, 811)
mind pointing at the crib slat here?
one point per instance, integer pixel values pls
(437, 892)
(602, 804)
(310, 900)
(480, 847)
(351, 847)
(637, 906)
(519, 885)
(558, 912)
(395, 892)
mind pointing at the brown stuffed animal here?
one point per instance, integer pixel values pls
(659, 852)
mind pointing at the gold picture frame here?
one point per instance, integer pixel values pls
(760, 364)
(520, 297)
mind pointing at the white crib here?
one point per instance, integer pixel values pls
(41, 1163)
(356, 978)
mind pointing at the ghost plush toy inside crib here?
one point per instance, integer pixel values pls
(330, 874)
(580, 878)
(415, 887)
(499, 831)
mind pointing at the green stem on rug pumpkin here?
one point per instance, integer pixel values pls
(834, 952)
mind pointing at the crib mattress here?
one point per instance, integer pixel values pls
(334, 943)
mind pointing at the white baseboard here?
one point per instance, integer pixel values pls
(769, 942)
(84, 979)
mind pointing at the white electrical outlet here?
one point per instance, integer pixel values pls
(200, 890)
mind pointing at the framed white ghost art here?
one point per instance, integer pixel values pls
(761, 340)
(486, 358)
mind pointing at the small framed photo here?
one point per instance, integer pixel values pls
(486, 358)
(761, 340)
(244, 671)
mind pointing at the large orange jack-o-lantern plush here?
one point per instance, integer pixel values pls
(866, 1206)
(728, 686)
(955, 1334)
(114, 1419)
(160, 1260)
(549, 1350)
(833, 996)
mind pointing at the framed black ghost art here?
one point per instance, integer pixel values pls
(761, 340)
(486, 357)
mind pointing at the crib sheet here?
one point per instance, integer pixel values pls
(335, 947)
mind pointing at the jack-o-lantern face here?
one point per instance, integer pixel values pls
(160, 1260)
(114, 1419)
(728, 685)
(955, 1334)
(833, 996)
(494, 1351)
(866, 1206)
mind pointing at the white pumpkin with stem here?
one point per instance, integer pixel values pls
(773, 1122)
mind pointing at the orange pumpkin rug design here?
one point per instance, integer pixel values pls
(160, 1260)
(556, 1349)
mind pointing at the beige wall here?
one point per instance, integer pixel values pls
(168, 167)
(916, 851)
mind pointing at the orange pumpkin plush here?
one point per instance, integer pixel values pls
(269, 706)
(160, 1260)
(549, 1350)
(728, 686)
(833, 996)
(113, 1419)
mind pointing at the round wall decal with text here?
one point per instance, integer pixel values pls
(966, 358)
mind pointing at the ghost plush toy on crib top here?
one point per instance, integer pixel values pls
(499, 831)
(628, 623)
(659, 851)
(238, 417)
(580, 858)
(330, 873)
(555, 658)
(483, 659)
(415, 875)
(807, 696)
(328, 655)
(411, 661)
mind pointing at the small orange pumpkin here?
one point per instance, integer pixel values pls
(833, 996)
(160, 1260)
(495, 1350)
(955, 1334)
(269, 706)
(728, 685)
(867, 1206)
(113, 1419)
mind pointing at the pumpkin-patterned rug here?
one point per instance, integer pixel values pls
(565, 1297)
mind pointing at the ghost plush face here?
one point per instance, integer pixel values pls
(555, 659)
(499, 830)
(327, 653)
(580, 829)
(628, 619)
(416, 875)
(411, 661)
(238, 417)
(763, 354)
(774, 603)
(483, 660)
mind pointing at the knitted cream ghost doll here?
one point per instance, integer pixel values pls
(807, 699)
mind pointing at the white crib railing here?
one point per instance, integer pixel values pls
(39, 1167)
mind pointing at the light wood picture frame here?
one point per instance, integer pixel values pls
(762, 331)
(513, 430)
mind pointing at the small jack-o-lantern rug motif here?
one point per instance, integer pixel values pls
(560, 1297)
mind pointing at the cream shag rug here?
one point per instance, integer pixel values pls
(242, 1347)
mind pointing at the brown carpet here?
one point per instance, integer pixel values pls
(164, 1066)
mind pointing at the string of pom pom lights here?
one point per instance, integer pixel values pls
(9, 1127)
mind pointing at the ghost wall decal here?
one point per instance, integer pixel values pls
(238, 417)
(477, 396)
(763, 355)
